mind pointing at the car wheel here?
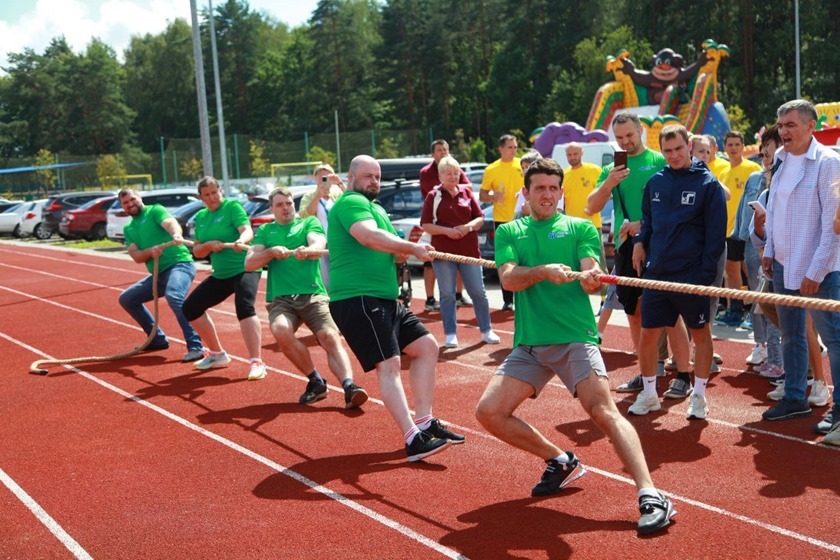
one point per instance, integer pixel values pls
(16, 232)
(98, 232)
(41, 232)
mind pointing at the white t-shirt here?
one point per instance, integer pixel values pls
(789, 171)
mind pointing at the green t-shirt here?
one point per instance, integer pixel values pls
(548, 313)
(145, 231)
(291, 276)
(356, 270)
(642, 167)
(223, 225)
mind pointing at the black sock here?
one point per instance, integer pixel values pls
(685, 376)
(315, 376)
(459, 295)
(346, 383)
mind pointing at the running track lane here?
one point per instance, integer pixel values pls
(488, 481)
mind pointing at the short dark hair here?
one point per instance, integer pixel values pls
(625, 116)
(505, 137)
(279, 190)
(672, 131)
(207, 181)
(124, 191)
(734, 134)
(544, 166)
(438, 142)
(771, 134)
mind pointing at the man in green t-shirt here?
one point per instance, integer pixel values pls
(626, 186)
(149, 228)
(364, 249)
(295, 294)
(533, 255)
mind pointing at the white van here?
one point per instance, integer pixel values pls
(168, 198)
(599, 153)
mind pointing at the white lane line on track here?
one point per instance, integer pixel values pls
(607, 474)
(340, 498)
(63, 537)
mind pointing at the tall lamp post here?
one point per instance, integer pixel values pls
(796, 48)
(219, 113)
(201, 92)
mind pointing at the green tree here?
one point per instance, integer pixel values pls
(160, 85)
(317, 153)
(260, 165)
(45, 177)
(109, 172)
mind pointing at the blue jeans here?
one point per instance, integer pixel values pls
(446, 273)
(794, 342)
(173, 283)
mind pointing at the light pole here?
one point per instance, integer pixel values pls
(219, 113)
(201, 92)
(796, 33)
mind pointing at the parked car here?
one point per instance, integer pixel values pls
(168, 198)
(10, 219)
(401, 199)
(403, 168)
(184, 213)
(88, 221)
(58, 204)
(32, 224)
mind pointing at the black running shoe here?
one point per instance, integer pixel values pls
(315, 391)
(656, 513)
(424, 445)
(558, 475)
(438, 430)
(354, 396)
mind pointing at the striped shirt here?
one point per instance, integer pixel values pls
(812, 249)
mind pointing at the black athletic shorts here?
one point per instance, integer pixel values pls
(735, 249)
(376, 329)
(213, 291)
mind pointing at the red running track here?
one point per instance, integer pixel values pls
(149, 458)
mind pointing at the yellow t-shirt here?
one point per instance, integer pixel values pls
(577, 184)
(736, 179)
(718, 167)
(507, 177)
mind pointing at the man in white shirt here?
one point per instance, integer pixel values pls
(802, 255)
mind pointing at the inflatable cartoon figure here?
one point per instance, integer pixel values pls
(667, 71)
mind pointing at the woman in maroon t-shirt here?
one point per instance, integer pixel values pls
(452, 216)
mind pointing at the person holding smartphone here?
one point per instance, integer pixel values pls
(624, 181)
(319, 202)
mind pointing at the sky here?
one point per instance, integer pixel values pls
(32, 23)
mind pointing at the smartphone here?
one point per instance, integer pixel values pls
(757, 207)
(620, 158)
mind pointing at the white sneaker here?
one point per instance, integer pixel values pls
(451, 341)
(697, 407)
(778, 393)
(257, 371)
(211, 360)
(819, 394)
(757, 356)
(644, 404)
(490, 337)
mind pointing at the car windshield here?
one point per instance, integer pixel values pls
(12, 208)
(188, 209)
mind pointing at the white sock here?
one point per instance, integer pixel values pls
(562, 458)
(700, 386)
(648, 492)
(649, 386)
(424, 421)
(410, 435)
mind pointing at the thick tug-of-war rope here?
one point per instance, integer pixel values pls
(759, 297)
(36, 366)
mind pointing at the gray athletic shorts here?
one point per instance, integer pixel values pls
(536, 365)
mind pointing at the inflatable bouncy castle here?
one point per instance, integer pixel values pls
(669, 93)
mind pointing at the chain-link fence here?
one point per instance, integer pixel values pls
(179, 162)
